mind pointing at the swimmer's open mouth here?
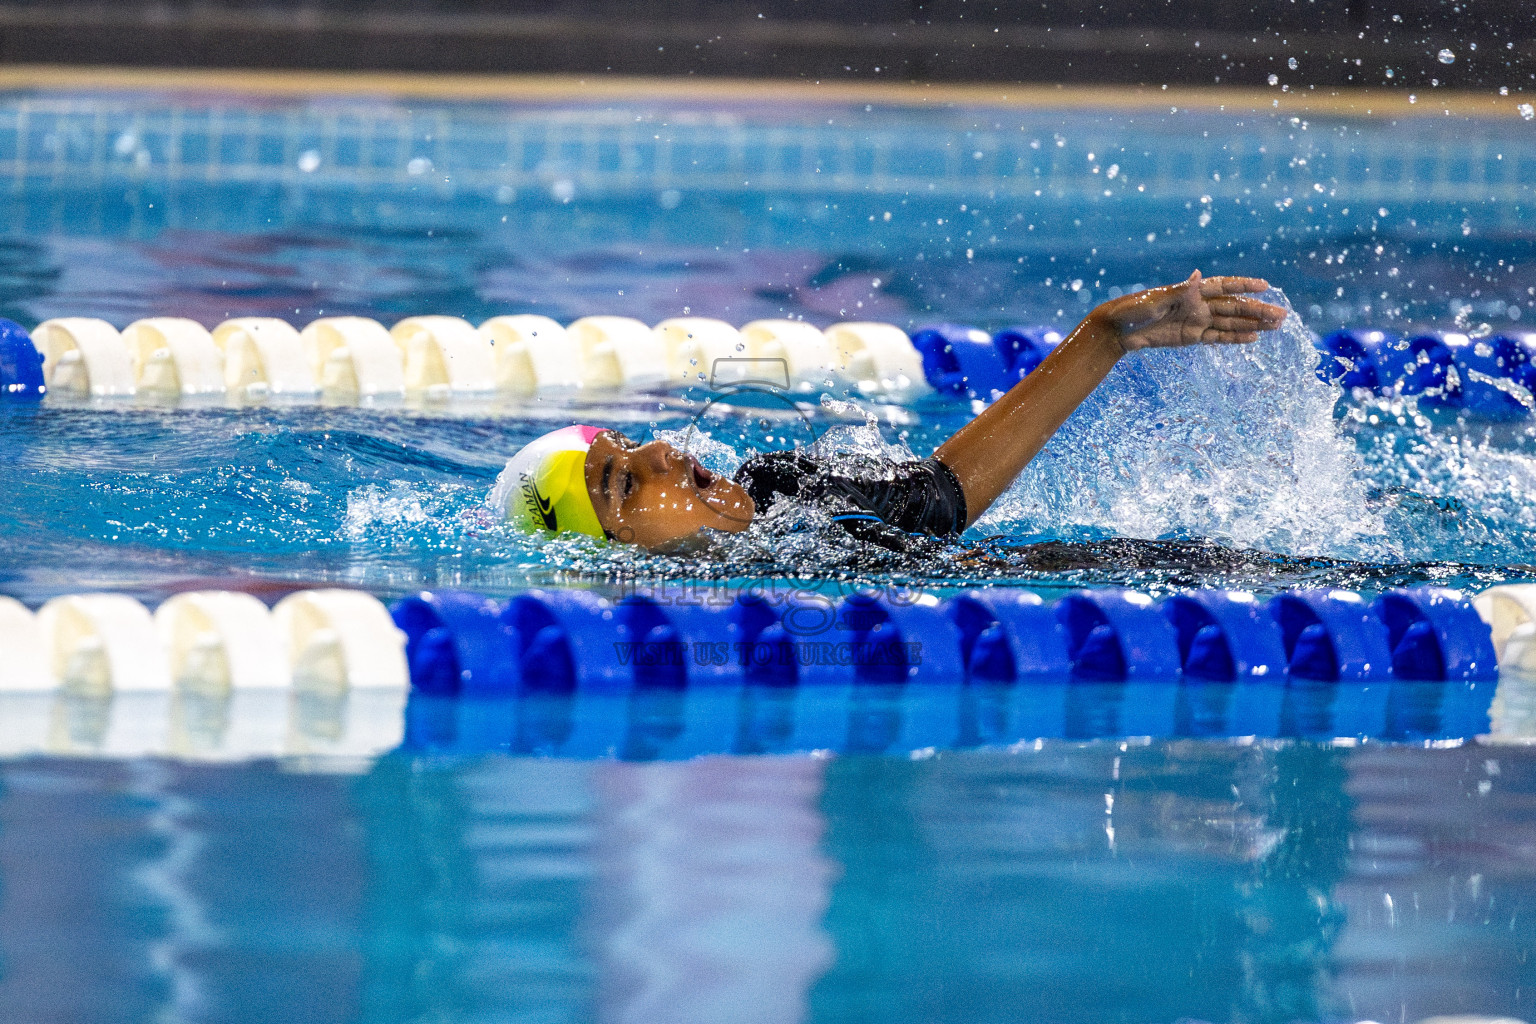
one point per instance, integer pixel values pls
(702, 477)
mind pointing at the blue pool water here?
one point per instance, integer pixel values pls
(1081, 878)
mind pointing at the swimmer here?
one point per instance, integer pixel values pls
(601, 483)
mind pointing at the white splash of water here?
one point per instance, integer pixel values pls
(1237, 444)
(715, 456)
(1463, 490)
(857, 439)
(371, 507)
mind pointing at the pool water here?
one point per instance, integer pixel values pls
(1067, 882)
(1083, 877)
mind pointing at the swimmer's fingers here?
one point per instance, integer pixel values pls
(1265, 314)
(1242, 305)
(1211, 287)
(1237, 323)
(1216, 336)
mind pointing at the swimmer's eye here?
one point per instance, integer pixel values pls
(629, 485)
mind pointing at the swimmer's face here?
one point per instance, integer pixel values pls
(655, 496)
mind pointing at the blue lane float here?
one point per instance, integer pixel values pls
(1024, 348)
(1008, 635)
(1117, 635)
(962, 361)
(1361, 359)
(1332, 636)
(1226, 635)
(1484, 370)
(21, 365)
(1435, 634)
(1491, 378)
(457, 642)
(576, 641)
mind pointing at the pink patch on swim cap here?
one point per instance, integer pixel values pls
(588, 433)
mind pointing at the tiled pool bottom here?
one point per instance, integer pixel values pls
(1106, 881)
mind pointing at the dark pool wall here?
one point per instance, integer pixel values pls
(1124, 41)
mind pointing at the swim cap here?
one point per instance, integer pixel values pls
(544, 486)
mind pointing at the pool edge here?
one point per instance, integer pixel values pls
(1367, 103)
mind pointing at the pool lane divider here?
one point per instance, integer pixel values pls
(218, 675)
(350, 359)
(1492, 377)
(209, 676)
(452, 642)
(575, 640)
(326, 641)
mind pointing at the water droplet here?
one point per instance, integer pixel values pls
(1293, 63)
(1527, 111)
(1274, 79)
(1390, 72)
(1503, 90)
(1447, 57)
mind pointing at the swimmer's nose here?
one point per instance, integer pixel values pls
(654, 456)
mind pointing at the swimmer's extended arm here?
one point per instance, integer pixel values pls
(990, 451)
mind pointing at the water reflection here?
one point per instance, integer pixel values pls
(203, 726)
(710, 891)
(1082, 883)
(666, 724)
(1087, 881)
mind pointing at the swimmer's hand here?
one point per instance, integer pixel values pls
(990, 451)
(1200, 311)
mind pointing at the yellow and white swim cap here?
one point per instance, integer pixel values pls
(544, 486)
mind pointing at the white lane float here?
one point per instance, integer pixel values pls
(218, 640)
(102, 643)
(353, 357)
(444, 355)
(801, 351)
(879, 358)
(83, 356)
(23, 660)
(173, 356)
(1510, 612)
(618, 352)
(533, 354)
(340, 639)
(693, 344)
(263, 356)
